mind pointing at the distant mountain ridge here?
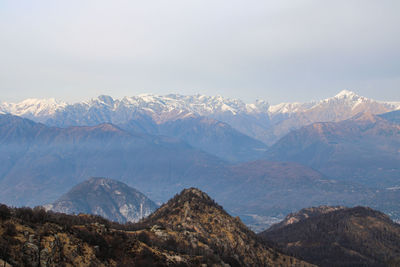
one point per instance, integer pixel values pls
(39, 162)
(108, 198)
(362, 149)
(258, 120)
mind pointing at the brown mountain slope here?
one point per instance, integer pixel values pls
(344, 237)
(190, 230)
(36, 238)
(303, 214)
(200, 223)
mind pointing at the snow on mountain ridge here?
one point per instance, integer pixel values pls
(346, 94)
(33, 107)
(290, 107)
(181, 105)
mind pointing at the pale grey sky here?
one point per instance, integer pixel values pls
(279, 50)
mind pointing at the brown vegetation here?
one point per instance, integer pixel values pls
(190, 230)
(343, 237)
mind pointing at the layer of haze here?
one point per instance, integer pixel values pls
(279, 51)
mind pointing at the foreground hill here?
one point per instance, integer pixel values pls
(339, 237)
(303, 214)
(108, 198)
(200, 223)
(364, 149)
(189, 230)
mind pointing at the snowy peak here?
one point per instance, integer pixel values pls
(289, 108)
(253, 119)
(181, 105)
(106, 100)
(33, 107)
(346, 94)
(346, 98)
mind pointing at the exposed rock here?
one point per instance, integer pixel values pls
(4, 263)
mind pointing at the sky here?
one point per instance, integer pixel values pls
(278, 51)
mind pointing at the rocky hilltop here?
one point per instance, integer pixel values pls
(335, 236)
(108, 198)
(189, 230)
(303, 214)
(201, 224)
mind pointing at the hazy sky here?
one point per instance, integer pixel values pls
(273, 50)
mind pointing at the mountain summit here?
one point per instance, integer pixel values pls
(199, 222)
(338, 236)
(109, 198)
(346, 94)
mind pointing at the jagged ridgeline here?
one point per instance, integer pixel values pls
(189, 230)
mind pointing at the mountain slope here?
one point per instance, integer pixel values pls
(58, 158)
(108, 198)
(345, 237)
(198, 219)
(54, 159)
(190, 230)
(144, 112)
(342, 106)
(303, 214)
(363, 149)
(214, 137)
(273, 189)
(393, 116)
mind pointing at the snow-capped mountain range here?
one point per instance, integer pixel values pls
(258, 120)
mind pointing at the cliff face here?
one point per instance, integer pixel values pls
(190, 230)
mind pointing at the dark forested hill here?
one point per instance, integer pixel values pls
(356, 236)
